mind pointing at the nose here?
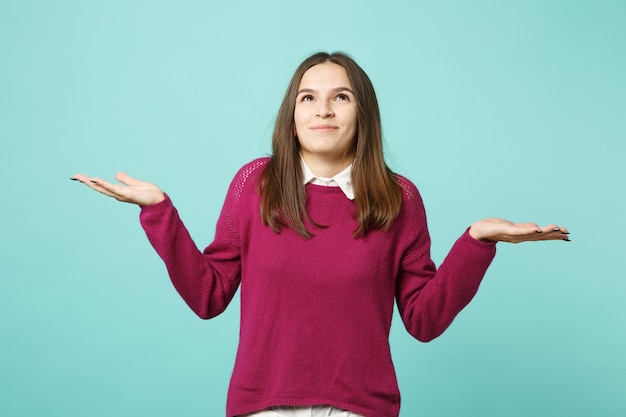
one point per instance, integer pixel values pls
(324, 109)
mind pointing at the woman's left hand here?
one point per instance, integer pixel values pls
(500, 230)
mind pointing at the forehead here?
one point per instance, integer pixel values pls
(325, 75)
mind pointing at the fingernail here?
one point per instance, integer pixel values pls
(93, 181)
(556, 229)
(74, 179)
(538, 231)
(567, 240)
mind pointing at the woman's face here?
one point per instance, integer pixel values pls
(326, 115)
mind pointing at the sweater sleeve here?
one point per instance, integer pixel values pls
(429, 298)
(207, 280)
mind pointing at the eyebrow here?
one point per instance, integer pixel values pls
(334, 90)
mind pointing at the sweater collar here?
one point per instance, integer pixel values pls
(343, 180)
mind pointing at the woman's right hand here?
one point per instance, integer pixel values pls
(129, 191)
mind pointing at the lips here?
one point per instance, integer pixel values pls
(324, 128)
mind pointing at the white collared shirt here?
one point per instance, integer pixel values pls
(342, 180)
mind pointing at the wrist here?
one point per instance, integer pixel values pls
(477, 232)
(158, 198)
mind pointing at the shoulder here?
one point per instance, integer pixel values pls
(249, 173)
(410, 193)
(252, 168)
(412, 212)
(243, 187)
(412, 221)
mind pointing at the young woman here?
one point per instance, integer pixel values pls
(321, 237)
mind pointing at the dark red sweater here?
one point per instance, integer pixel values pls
(316, 313)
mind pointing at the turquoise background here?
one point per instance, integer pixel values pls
(512, 109)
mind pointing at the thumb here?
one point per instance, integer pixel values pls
(126, 179)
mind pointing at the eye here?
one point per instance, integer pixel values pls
(306, 97)
(342, 97)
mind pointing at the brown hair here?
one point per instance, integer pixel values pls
(378, 195)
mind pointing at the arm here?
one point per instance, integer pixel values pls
(206, 280)
(429, 298)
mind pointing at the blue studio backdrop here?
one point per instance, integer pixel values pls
(509, 109)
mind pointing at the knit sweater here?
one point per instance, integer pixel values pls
(316, 313)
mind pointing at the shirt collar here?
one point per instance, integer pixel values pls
(343, 180)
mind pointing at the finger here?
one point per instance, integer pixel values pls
(527, 228)
(91, 183)
(80, 177)
(117, 191)
(126, 179)
(101, 186)
(88, 181)
(557, 236)
(553, 228)
(527, 232)
(555, 232)
(560, 233)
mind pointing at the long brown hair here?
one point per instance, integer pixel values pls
(378, 195)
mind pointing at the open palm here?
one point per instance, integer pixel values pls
(130, 190)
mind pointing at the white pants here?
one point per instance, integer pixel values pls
(315, 411)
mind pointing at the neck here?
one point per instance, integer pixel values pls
(327, 168)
